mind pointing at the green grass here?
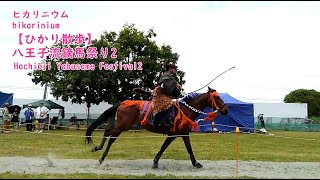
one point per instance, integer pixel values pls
(139, 145)
(283, 146)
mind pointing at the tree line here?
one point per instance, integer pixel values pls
(133, 45)
(94, 87)
(309, 96)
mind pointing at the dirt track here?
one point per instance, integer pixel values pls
(174, 167)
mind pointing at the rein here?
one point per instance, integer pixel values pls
(210, 115)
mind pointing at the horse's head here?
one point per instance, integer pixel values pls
(216, 102)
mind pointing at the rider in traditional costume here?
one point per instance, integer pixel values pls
(166, 89)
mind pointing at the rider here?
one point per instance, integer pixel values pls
(166, 88)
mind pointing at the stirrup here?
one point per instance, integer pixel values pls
(167, 131)
(169, 121)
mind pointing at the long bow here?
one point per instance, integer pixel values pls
(213, 79)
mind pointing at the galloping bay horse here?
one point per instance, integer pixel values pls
(129, 112)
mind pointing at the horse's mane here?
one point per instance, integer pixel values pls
(190, 97)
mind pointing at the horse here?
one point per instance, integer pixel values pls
(128, 115)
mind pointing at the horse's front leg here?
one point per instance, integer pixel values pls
(186, 140)
(112, 139)
(164, 146)
(107, 133)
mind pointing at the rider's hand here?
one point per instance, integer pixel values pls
(179, 86)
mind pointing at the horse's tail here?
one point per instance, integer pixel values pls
(104, 117)
(141, 91)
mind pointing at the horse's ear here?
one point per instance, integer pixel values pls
(210, 89)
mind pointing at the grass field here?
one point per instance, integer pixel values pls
(284, 146)
(144, 145)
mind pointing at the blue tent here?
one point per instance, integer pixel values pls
(5, 98)
(240, 115)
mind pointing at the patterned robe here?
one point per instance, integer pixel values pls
(161, 100)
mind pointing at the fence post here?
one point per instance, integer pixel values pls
(237, 150)
(212, 140)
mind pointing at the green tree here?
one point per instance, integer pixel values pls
(311, 97)
(93, 87)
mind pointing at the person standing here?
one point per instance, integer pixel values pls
(42, 112)
(260, 117)
(29, 115)
(15, 118)
(6, 117)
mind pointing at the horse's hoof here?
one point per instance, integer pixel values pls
(155, 166)
(94, 149)
(197, 165)
(101, 160)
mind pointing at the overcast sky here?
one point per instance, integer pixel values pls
(275, 46)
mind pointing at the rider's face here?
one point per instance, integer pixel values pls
(173, 70)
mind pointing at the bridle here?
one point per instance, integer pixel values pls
(214, 104)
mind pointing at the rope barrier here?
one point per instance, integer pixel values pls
(278, 136)
(66, 135)
(53, 125)
(154, 136)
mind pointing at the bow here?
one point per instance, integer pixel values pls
(213, 79)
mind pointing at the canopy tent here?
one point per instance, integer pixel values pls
(240, 115)
(47, 103)
(5, 98)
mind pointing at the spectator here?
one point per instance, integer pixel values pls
(29, 115)
(6, 117)
(73, 119)
(15, 118)
(41, 117)
(48, 121)
(261, 120)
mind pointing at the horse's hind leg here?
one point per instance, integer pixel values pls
(107, 133)
(115, 133)
(186, 140)
(164, 146)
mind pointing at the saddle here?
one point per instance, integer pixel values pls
(164, 120)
